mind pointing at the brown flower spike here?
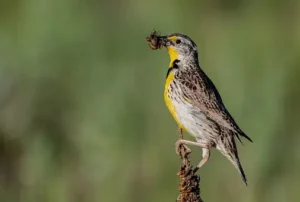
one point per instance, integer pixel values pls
(189, 185)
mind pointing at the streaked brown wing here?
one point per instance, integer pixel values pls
(200, 91)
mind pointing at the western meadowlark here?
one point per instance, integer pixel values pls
(195, 103)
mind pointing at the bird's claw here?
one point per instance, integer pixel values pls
(181, 148)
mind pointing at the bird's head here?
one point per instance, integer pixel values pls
(180, 47)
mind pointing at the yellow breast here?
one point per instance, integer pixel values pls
(169, 102)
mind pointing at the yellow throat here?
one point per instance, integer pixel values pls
(172, 51)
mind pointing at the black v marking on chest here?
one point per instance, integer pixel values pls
(174, 66)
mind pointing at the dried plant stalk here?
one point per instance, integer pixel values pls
(189, 185)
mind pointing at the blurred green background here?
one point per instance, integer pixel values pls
(82, 116)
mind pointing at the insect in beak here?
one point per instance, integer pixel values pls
(156, 41)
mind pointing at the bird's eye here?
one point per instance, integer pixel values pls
(178, 41)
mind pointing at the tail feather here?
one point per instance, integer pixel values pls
(228, 148)
(241, 133)
(237, 164)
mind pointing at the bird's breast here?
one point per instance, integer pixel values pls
(174, 99)
(187, 116)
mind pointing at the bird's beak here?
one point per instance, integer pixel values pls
(164, 41)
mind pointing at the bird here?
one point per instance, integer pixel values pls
(195, 103)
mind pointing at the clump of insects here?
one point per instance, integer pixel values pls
(154, 40)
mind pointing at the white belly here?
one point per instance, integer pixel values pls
(193, 120)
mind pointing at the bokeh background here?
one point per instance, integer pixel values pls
(82, 116)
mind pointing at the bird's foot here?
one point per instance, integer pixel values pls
(195, 169)
(181, 149)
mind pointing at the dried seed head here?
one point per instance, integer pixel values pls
(189, 185)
